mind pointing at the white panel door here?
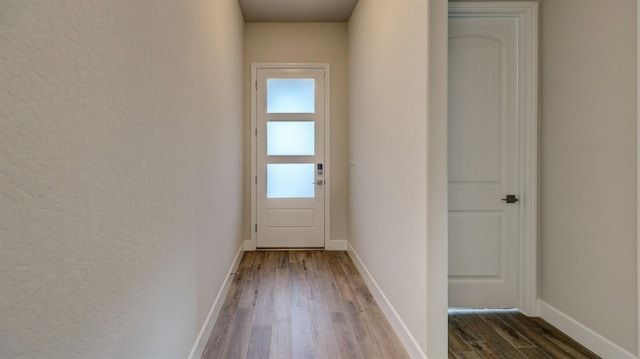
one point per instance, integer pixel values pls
(483, 168)
(290, 170)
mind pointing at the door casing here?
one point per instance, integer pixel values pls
(252, 244)
(527, 15)
(638, 164)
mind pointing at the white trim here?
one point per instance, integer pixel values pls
(410, 343)
(582, 334)
(336, 245)
(527, 14)
(252, 245)
(249, 246)
(254, 162)
(437, 202)
(638, 168)
(327, 155)
(207, 327)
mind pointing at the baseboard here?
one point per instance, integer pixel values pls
(407, 339)
(207, 327)
(581, 333)
(335, 245)
(249, 246)
(331, 245)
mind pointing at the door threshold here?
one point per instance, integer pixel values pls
(482, 310)
(265, 249)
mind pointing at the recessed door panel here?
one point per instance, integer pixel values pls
(474, 244)
(475, 147)
(290, 218)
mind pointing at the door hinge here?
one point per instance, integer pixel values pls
(256, 132)
(256, 228)
(256, 179)
(256, 85)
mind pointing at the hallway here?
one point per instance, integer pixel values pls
(301, 304)
(126, 186)
(315, 304)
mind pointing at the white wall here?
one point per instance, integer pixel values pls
(588, 164)
(120, 173)
(305, 43)
(437, 196)
(388, 143)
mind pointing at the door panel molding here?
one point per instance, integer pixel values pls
(251, 245)
(527, 15)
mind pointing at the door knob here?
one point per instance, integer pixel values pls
(511, 198)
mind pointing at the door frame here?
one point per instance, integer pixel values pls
(638, 168)
(252, 245)
(527, 14)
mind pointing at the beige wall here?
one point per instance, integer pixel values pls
(120, 173)
(388, 143)
(437, 196)
(587, 164)
(304, 43)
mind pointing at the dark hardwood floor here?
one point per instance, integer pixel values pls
(508, 335)
(301, 304)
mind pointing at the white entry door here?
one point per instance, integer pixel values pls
(290, 181)
(483, 162)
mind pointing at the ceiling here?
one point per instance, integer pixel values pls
(297, 10)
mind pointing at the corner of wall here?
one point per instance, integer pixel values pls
(582, 334)
(407, 339)
(205, 332)
(437, 200)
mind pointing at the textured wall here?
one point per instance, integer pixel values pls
(306, 43)
(388, 143)
(588, 164)
(120, 173)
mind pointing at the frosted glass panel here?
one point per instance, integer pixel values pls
(290, 180)
(291, 138)
(290, 95)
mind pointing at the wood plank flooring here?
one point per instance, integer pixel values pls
(509, 335)
(315, 304)
(301, 304)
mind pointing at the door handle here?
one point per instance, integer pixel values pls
(318, 182)
(511, 198)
